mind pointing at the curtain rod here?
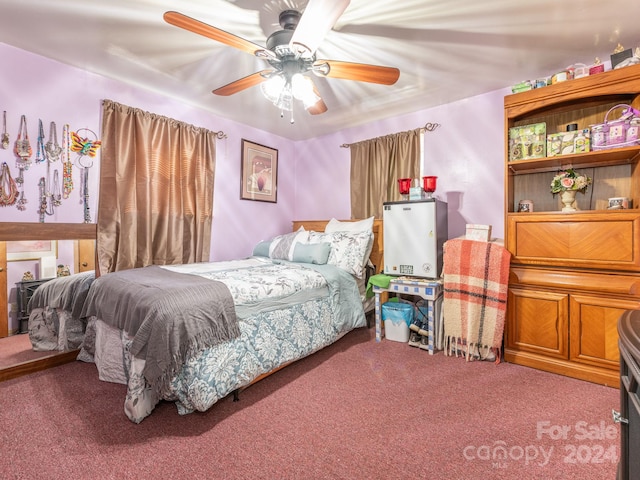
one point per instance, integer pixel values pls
(428, 127)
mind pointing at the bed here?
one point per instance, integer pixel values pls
(295, 295)
(55, 322)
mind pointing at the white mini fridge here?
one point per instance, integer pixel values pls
(414, 233)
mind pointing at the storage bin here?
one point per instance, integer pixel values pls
(397, 317)
(614, 133)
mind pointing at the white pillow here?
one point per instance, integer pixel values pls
(359, 226)
(282, 246)
(349, 250)
(365, 225)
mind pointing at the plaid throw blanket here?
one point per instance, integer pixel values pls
(476, 276)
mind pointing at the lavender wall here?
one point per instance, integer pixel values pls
(466, 153)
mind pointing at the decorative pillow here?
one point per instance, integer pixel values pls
(317, 253)
(365, 225)
(282, 246)
(262, 249)
(334, 225)
(349, 250)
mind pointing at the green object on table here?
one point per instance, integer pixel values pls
(380, 280)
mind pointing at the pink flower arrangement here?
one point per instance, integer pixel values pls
(569, 179)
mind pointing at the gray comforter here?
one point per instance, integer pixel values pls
(171, 316)
(66, 293)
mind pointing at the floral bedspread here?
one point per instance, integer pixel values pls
(286, 310)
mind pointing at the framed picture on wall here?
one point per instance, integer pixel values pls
(259, 173)
(31, 249)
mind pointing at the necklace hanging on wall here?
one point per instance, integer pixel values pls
(21, 204)
(40, 155)
(22, 200)
(85, 147)
(22, 147)
(4, 141)
(52, 148)
(8, 187)
(56, 196)
(67, 166)
(42, 211)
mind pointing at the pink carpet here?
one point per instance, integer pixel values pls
(355, 410)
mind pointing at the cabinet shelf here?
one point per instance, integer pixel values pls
(599, 158)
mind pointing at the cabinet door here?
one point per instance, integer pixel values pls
(594, 329)
(537, 322)
(86, 255)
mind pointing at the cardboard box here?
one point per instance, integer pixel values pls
(481, 233)
(567, 143)
(528, 141)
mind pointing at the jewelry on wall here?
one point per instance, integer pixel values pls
(8, 187)
(52, 189)
(56, 196)
(52, 148)
(40, 155)
(4, 140)
(85, 147)
(67, 166)
(21, 204)
(22, 147)
(43, 199)
(85, 196)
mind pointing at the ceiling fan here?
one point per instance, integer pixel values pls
(291, 52)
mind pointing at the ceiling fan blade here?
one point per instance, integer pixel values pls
(243, 83)
(317, 19)
(201, 28)
(318, 107)
(357, 71)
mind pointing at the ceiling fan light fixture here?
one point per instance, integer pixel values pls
(302, 89)
(317, 19)
(271, 88)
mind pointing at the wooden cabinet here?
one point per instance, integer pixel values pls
(572, 274)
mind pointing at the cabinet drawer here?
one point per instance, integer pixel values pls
(597, 240)
(564, 280)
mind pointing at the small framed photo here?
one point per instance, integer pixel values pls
(259, 174)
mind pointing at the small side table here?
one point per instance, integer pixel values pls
(430, 290)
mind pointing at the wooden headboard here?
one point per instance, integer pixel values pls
(377, 252)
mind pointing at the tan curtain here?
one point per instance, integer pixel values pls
(376, 166)
(156, 190)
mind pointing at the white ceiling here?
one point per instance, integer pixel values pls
(446, 50)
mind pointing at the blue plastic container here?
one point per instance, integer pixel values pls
(397, 317)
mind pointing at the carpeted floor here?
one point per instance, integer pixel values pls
(17, 349)
(355, 410)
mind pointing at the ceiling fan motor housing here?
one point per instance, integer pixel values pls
(278, 42)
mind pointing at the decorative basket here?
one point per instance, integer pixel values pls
(621, 132)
